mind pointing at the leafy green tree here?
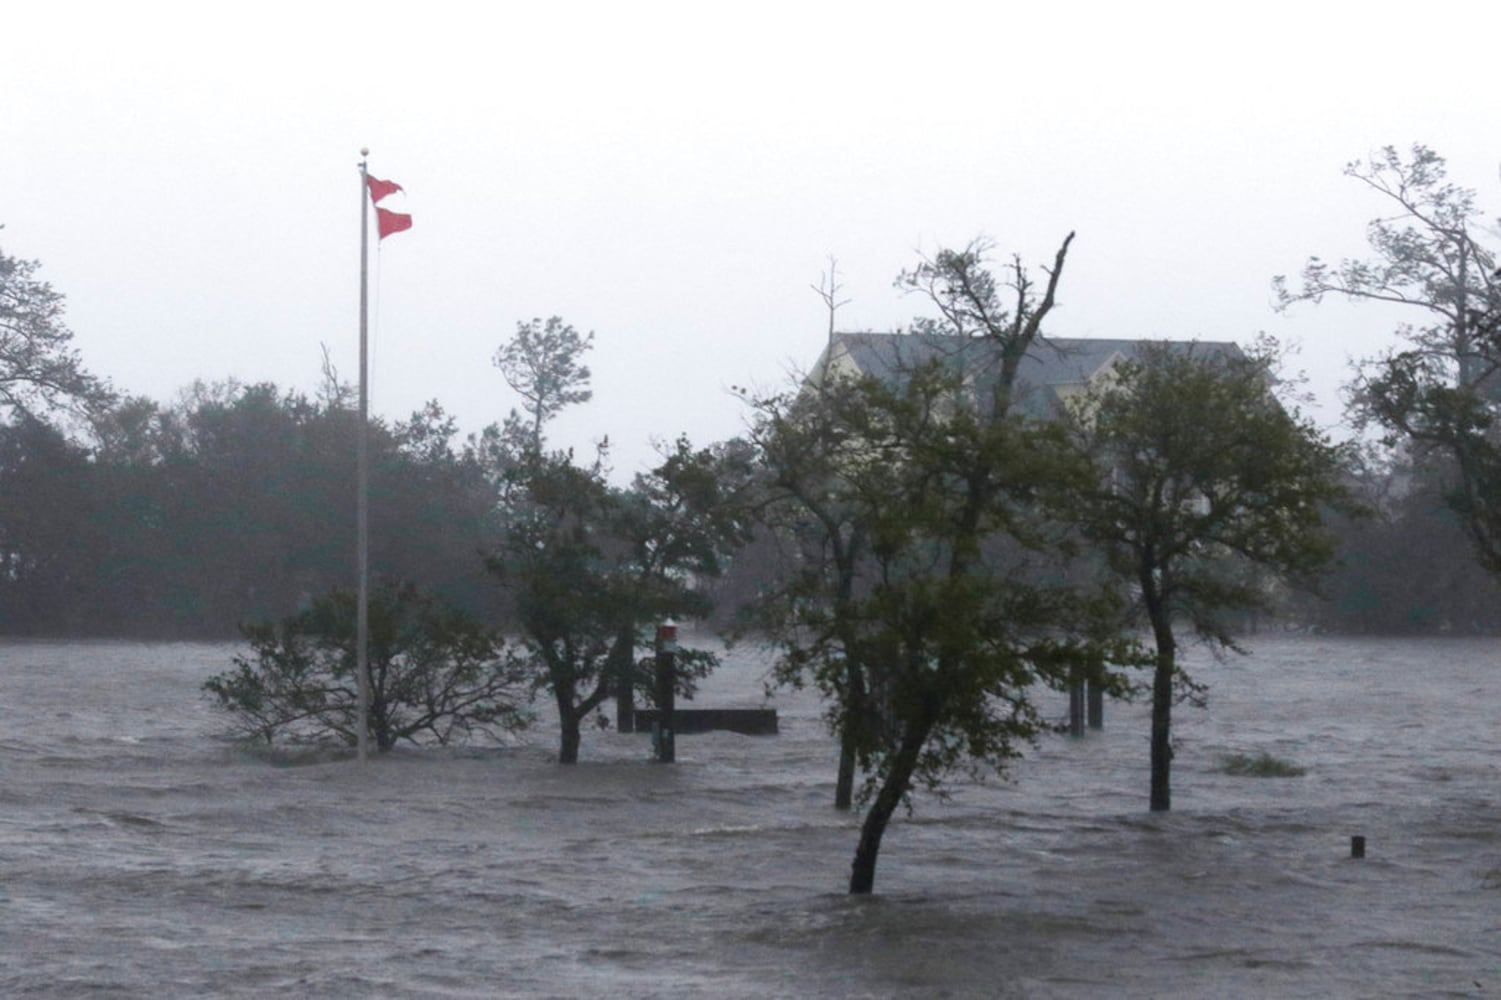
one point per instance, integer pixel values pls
(436, 675)
(938, 494)
(813, 449)
(569, 611)
(1441, 391)
(1205, 483)
(591, 568)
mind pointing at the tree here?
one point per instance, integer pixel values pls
(938, 495)
(543, 364)
(233, 505)
(828, 289)
(1203, 482)
(436, 675)
(39, 369)
(811, 450)
(48, 511)
(590, 567)
(262, 514)
(434, 511)
(1409, 568)
(568, 611)
(1439, 392)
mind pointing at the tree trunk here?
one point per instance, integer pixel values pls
(844, 785)
(568, 724)
(379, 727)
(1162, 735)
(857, 713)
(1076, 702)
(568, 750)
(1096, 703)
(1160, 614)
(625, 708)
(863, 870)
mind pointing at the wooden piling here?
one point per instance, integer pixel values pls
(663, 734)
(1076, 706)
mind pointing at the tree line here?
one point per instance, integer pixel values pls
(234, 504)
(920, 549)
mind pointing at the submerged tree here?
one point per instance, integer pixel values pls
(1205, 486)
(938, 496)
(436, 675)
(812, 455)
(1441, 391)
(569, 612)
(591, 568)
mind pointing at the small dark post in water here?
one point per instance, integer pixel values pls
(1357, 847)
(1076, 704)
(625, 706)
(666, 695)
(1096, 705)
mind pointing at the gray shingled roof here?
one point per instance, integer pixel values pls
(1056, 362)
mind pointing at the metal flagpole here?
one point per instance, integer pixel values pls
(362, 504)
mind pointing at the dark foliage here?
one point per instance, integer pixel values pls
(1207, 491)
(436, 675)
(926, 604)
(1440, 392)
(237, 504)
(591, 569)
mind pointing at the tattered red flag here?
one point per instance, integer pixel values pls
(388, 222)
(379, 188)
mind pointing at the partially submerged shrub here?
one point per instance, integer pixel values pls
(436, 675)
(1263, 765)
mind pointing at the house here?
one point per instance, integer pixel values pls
(1055, 370)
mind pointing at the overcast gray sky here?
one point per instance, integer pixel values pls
(675, 176)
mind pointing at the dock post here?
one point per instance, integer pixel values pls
(666, 692)
(1076, 704)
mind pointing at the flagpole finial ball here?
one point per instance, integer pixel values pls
(364, 150)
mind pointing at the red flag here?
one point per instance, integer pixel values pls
(379, 188)
(388, 222)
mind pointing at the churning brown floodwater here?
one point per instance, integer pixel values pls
(143, 855)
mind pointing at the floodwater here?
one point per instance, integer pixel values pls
(144, 854)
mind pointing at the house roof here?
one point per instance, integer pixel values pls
(1049, 368)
